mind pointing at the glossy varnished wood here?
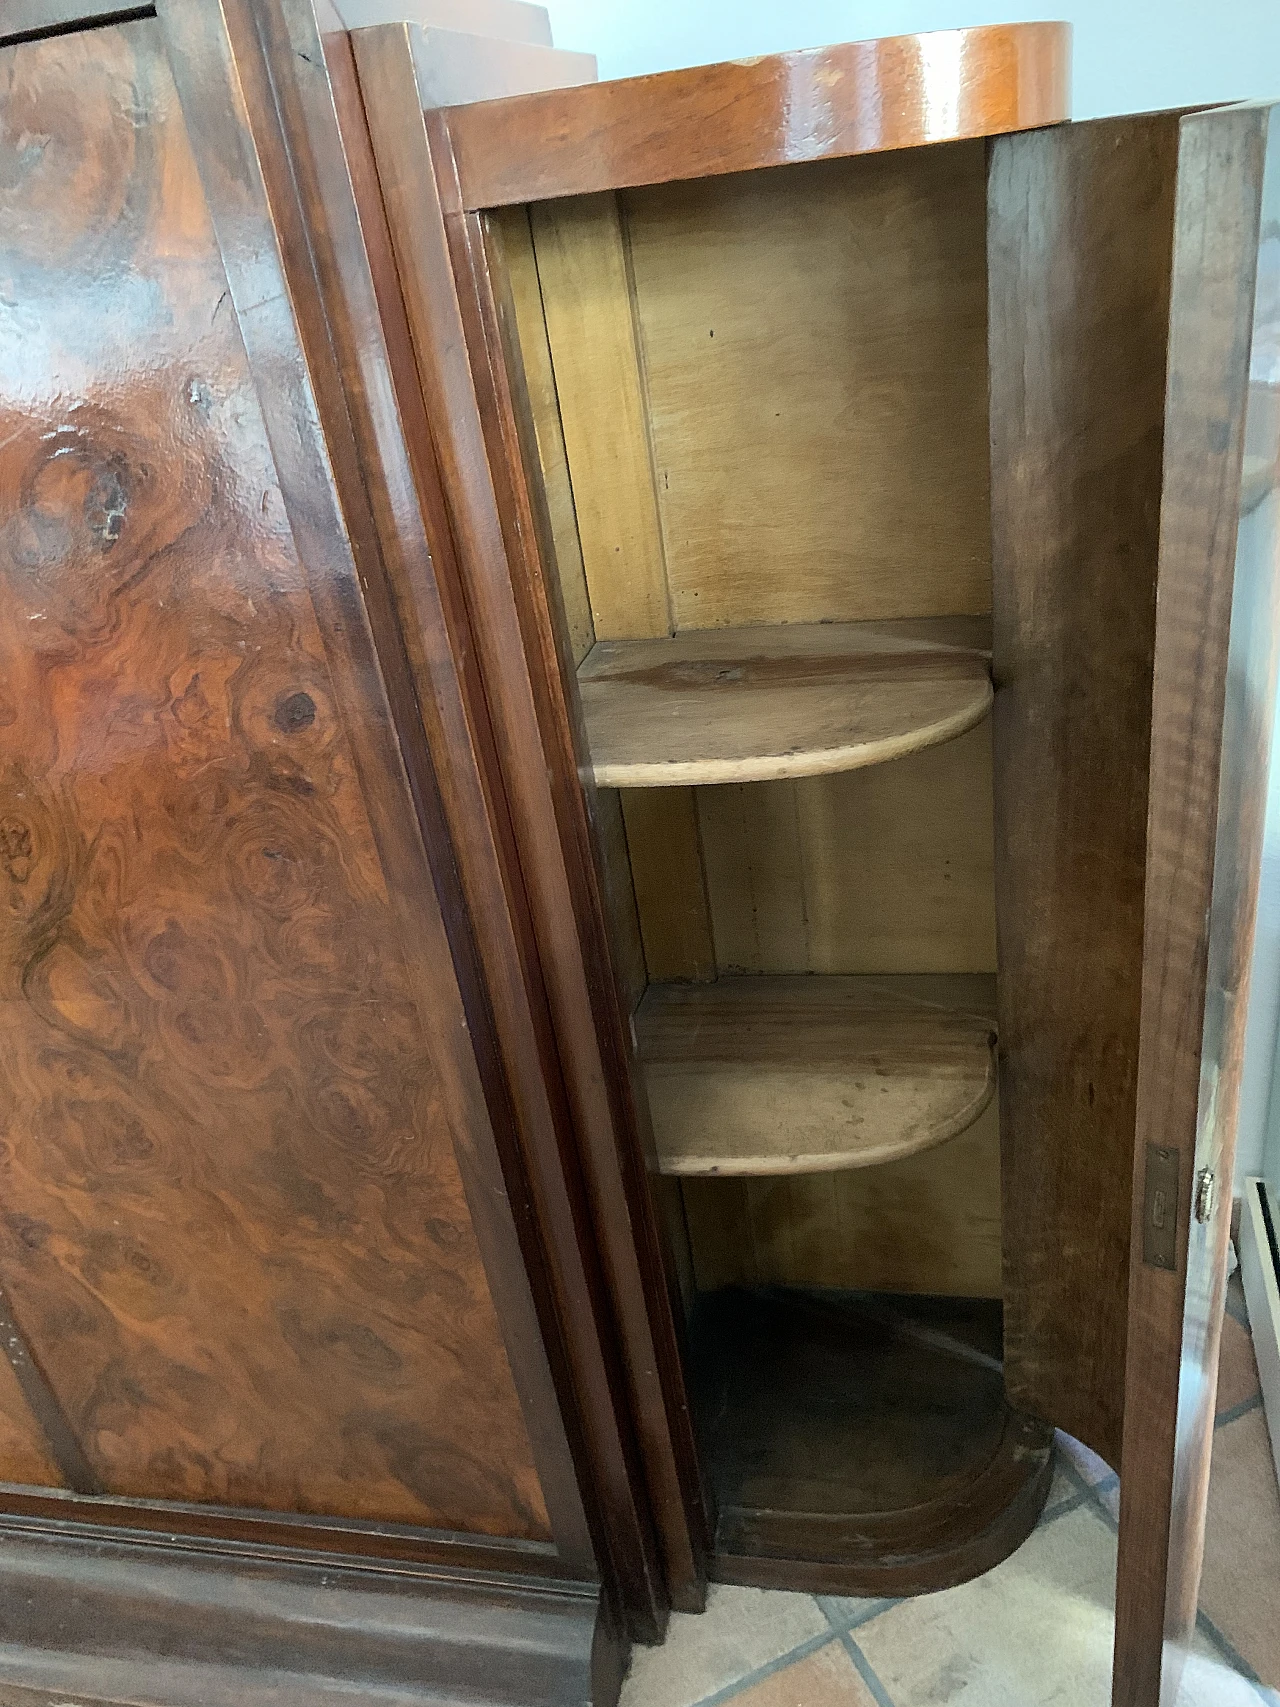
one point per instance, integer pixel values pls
(856, 98)
(813, 1075)
(236, 1228)
(1080, 240)
(488, 517)
(1216, 646)
(114, 1620)
(765, 703)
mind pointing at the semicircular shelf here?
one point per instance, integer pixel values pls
(786, 1075)
(787, 700)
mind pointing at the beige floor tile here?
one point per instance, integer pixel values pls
(1240, 1588)
(824, 1679)
(1237, 1370)
(1209, 1682)
(1036, 1630)
(741, 1629)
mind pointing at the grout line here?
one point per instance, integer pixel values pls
(1236, 1412)
(870, 1612)
(855, 1620)
(866, 1671)
(780, 1662)
(1092, 1495)
(1066, 1505)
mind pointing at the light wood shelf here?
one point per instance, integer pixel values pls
(808, 1074)
(786, 700)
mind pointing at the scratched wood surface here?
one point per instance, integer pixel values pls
(234, 1232)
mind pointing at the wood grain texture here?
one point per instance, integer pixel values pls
(25, 1455)
(926, 1224)
(235, 1225)
(544, 402)
(814, 346)
(462, 324)
(860, 1444)
(813, 1075)
(102, 1620)
(664, 846)
(1081, 232)
(917, 832)
(322, 218)
(584, 273)
(778, 109)
(765, 703)
(1213, 707)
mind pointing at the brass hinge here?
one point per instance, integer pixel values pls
(1206, 1195)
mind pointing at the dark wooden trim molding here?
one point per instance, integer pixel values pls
(857, 98)
(391, 1544)
(492, 524)
(107, 1619)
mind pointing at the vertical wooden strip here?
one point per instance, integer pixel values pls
(624, 917)
(671, 890)
(544, 402)
(1080, 236)
(587, 298)
(1212, 714)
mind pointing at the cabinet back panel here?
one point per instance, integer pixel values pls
(814, 350)
(887, 869)
(925, 1224)
(235, 1233)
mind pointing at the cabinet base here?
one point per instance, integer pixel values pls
(120, 1621)
(860, 1444)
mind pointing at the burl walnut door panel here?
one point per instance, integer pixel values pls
(233, 1230)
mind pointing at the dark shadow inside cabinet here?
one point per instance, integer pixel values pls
(758, 406)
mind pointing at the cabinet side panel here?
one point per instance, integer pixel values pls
(1080, 230)
(235, 1234)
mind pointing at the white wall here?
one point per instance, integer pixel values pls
(1129, 54)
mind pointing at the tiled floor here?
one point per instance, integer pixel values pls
(1036, 1631)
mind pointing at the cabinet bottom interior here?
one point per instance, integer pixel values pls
(858, 1442)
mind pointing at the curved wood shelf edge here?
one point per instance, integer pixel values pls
(821, 761)
(935, 1544)
(820, 104)
(780, 701)
(945, 1123)
(763, 1075)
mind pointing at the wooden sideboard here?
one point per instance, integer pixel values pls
(632, 737)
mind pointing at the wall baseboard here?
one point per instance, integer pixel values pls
(125, 1621)
(1262, 1295)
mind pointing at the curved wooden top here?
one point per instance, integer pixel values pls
(856, 98)
(762, 703)
(792, 1075)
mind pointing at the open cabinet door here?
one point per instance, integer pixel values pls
(1134, 343)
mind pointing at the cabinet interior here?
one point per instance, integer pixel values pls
(760, 411)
